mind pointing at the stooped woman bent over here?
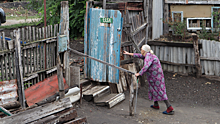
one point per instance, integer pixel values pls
(152, 68)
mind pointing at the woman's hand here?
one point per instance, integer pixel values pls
(126, 53)
(137, 74)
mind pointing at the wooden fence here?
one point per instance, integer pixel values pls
(134, 29)
(179, 57)
(38, 54)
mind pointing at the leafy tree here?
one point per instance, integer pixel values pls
(77, 9)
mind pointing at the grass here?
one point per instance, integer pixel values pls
(18, 25)
(20, 17)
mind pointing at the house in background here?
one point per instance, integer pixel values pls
(194, 12)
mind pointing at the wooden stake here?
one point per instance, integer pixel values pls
(131, 100)
(197, 57)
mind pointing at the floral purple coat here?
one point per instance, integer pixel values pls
(152, 68)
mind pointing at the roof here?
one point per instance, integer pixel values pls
(193, 1)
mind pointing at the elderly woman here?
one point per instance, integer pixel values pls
(152, 68)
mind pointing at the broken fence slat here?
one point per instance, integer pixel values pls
(31, 115)
(31, 77)
(52, 70)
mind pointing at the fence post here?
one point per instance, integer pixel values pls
(197, 57)
(64, 30)
(131, 91)
(60, 73)
(19, 69)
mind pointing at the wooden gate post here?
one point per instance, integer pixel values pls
(64, 30)
(63, 44)
(19, 69)
(60, 77)
(197, 57)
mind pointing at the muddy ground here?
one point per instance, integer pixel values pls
(195, 101)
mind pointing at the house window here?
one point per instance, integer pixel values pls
(215, 19)
(177, 16)
(195, 24)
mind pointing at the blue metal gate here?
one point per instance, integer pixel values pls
(103, 29)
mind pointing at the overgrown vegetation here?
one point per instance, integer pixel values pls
(178, 27)
(204, 34)
(77, 10)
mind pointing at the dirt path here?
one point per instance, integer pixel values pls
(184, 114)
(196, 101)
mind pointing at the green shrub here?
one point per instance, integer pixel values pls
(77, 9)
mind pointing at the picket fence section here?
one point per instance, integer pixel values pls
(7, 58)
(38, 53)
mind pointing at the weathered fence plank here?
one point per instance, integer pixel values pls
(19, 69)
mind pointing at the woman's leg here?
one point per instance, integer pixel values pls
(167, 103)
(169, 110)
(155, 106)
(156, 103)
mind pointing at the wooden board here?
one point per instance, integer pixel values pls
(89, 94)
(38, 112)
(101, 94)
(110, 100)
(119, 85)
(193, 10)
(59, 118)
(113, 87)
(117, 99)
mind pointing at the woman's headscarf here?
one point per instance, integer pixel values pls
(147, 48)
